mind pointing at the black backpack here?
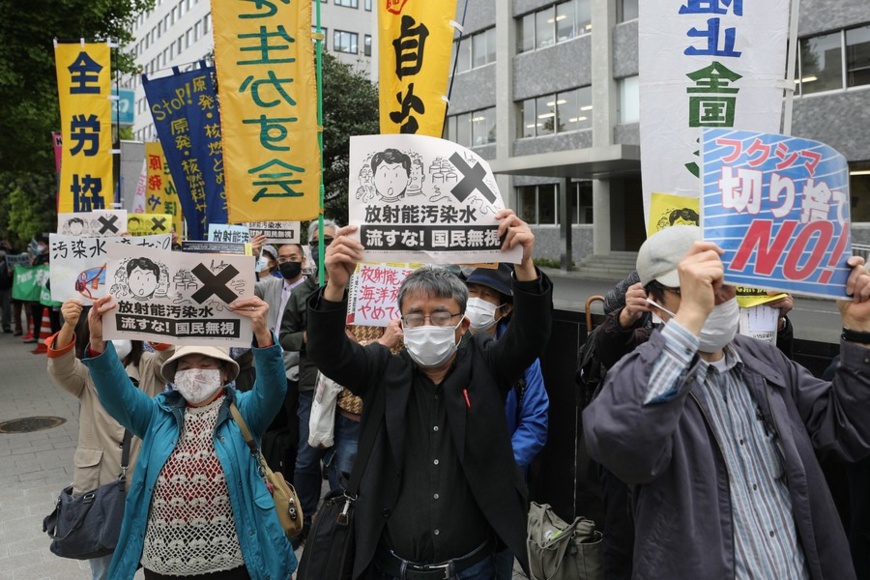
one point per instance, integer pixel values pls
(590, 373)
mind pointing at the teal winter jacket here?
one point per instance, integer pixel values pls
(158, 422)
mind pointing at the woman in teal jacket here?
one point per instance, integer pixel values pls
(197, 506)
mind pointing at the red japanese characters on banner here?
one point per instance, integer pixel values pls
(374, 293)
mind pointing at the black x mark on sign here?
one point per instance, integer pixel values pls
(472, 178)
(158, 224)
(214, 284)
(107, 224)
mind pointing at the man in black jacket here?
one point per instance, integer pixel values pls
(441, 490)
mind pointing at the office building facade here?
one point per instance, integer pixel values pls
(548, 93)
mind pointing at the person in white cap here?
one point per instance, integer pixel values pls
(717, 433)
(197, 507)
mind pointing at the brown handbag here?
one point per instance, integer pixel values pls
(286, 501)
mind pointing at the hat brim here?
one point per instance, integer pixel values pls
(671, 279)
(167, 370)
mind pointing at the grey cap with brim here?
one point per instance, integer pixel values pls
(660, 253)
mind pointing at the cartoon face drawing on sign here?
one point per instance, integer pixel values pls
(678, 217)
(134, 224)
(391, 171)
(76, 226)
(143, 278)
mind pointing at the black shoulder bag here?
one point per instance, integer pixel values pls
(331, 545)
(88, 525)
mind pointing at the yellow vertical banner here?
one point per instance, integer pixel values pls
(84, 87)
(268, 108)
(414, 47)
(161, 197)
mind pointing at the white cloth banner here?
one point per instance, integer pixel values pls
(177, 297)
(704, 64)
(424, 199)
(78, 264)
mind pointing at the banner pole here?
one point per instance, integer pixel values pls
(318, 53)
(791, 63)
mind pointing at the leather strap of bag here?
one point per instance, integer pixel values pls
(246, 433)
(125, 453)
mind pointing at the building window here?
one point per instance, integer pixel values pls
(368, 5)
(821, 62)
(629, 100)
(581, 202)
(324, 31)
(475, 50)
(347, 3)
(538, 203)
(367, 45)
(626, 10)
(556, 23)
(345, 42)
(483, 127)
(557, 113)
(859, 190)
(858, 56)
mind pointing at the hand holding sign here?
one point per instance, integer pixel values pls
(516, 232)
(258, 311)
(95, 321)
(856, 312)
(342, 256)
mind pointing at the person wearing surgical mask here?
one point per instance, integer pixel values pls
(199, 506)
(717, 434)
(97, 459)
(490, 302)
(267, 263)
(441, 486)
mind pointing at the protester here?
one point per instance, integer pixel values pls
(490, 303)
(198, 505)
(717, 432)
(267, 264)
(308, 474)
(38, 259)
(6, 295)
(441, 489)
(97, 459)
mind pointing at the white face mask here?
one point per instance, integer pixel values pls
(122, 347)
(430, 346)
(263, 264)
(198, 385)
(719, 328)
(481, 314)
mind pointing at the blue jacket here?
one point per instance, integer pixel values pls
(529, 430)
(158, 422)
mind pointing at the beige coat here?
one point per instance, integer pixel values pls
(97, 459)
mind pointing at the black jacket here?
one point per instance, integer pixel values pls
(293, 327)
(486, 368)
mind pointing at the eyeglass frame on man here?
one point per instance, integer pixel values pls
(425, 317)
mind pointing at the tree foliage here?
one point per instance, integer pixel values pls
(28, 92)
(350, 107)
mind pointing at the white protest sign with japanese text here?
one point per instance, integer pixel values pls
(277, 232)
(373, 293)
(78, 264)
(779, 208)
(177, 297)
(13, 260)
(704, 64)
(424, 199)
(110, 222)
(232, 234)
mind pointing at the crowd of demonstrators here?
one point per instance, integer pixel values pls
(716, 434)
(97, 459)
(445, 448)
(198, 506)
(490, 304)
(308, 472)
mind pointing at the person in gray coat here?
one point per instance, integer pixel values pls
(716, 433)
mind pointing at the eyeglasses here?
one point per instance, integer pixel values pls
(671, 290)
(314, 243)
(436, 318)
(285, 259)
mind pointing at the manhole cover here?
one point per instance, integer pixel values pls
(30, 424)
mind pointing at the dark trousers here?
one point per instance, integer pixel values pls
(618, 540)
(308, 475)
